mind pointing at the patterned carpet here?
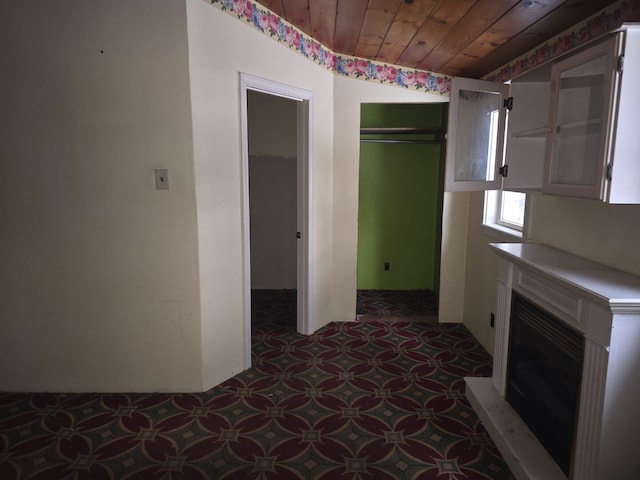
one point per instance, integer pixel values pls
(380, 398)
(397, 302)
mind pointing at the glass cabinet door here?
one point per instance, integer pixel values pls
(475, 135)
(577, 145)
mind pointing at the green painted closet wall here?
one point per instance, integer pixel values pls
(400, 201)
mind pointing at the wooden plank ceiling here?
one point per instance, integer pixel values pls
(469, 38)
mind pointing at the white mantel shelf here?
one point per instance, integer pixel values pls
(604, 305)
(603, 284)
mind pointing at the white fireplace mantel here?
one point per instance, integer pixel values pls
(603, 304)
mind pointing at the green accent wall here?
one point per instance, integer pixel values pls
(400, 202)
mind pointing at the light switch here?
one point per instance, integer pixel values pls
(162, 179)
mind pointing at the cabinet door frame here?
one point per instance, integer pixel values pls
(611, 48)
(482, 86)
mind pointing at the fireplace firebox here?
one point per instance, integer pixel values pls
(544, 369)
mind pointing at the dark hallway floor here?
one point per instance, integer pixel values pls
(397, 302)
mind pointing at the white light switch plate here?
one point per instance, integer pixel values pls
(162, 178)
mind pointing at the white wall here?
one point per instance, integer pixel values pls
(609, 234)
(220, 47)
(108, 284)
(349, 95)
(335, 157)
(481, 271)
(453, 261)
(99, 270)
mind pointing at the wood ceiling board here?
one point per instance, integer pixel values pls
(374, 28)
(548, 27)
(507, 27)
(459, 37)
(385, 5)
(399, 35)
(442, 19)
(349, 18)
(415, 12)
(407, 22)
(274, 5)
(297, 13)
(323, 21)
(478, 18)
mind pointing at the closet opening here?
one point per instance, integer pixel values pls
(402, 151)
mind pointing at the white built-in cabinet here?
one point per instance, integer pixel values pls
(478, 155)
(568, 128)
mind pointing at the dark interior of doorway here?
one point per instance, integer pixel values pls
(272, 124)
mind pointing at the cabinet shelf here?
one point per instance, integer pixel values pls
(592, 125)
(540, 132)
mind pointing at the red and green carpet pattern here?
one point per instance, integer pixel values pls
(381, 398)
(397, 302)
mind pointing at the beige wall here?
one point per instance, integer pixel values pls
(481, 272)
(349, 95)
(220, 48)
(98, 269)
(273, 125)
(108, 284)
(335, 155)
(579, 226)
(609, 234)
(454, 254)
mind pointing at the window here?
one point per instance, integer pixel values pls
(504, 214)
(511, 210)
(494, 115)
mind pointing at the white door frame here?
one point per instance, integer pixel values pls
(304, 264)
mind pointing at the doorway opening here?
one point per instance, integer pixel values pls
(275, 166)
(402, 151)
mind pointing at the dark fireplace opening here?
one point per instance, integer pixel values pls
(544, 370)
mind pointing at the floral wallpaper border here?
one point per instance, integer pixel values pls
(275, 27)
(272, 25)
